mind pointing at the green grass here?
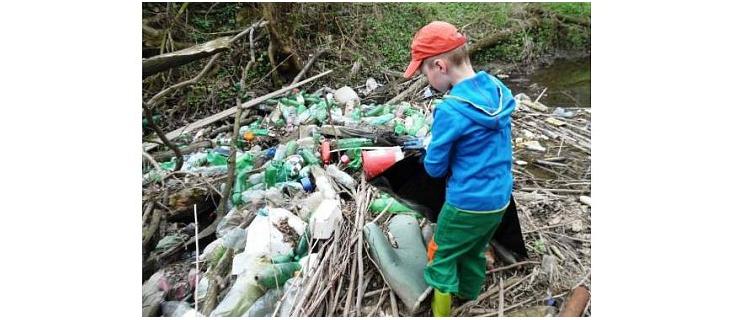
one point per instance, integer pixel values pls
(393, 29)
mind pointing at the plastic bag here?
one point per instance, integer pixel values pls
(168, 242)
(265, 239)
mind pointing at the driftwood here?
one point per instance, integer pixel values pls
(420, 83)
(576, 303)
(229, 112)
(495, 38)
(561, 17)
(166, 61)
(170, 60)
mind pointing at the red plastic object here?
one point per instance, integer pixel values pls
(345, 159)
(374, 162)
(325, 150)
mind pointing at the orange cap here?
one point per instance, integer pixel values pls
(435, 38)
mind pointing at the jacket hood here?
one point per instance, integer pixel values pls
(484, 99)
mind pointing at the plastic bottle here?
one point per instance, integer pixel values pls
(380, 120)
(250, 196)
(265, 306)
(275, 275)
(259, 132)
(280, 152)
(216, 159)
(306, 143)
(356, 114)
(289, 102)
(355, 156)
(418, 121)
(291, 148)
(352, 143)
(309, 156)
(256, 178)
(399, 128)
(341, 177)
(378, 205)
(376, 111)
(271, 174)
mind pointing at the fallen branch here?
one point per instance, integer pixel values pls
(220, 211)
(562, 17)
(576, 303)
(152, 102)
(495, 38)
(149, 232)
(229, 112)
(512, 266)
(166, 61)
(161, 136)
(420, 83)
(308, 65)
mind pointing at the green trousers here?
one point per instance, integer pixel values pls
(457, 263)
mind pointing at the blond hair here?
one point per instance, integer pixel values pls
(457, 56)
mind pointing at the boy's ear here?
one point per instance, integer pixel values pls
(441, 65)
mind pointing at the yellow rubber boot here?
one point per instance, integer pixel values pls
(441, 304)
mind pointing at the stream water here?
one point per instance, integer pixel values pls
(568, 83)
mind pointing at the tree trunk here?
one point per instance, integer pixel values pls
(282, 49)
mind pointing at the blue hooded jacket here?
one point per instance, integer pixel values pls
(472, 138)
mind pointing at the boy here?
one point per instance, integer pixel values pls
(471, 142)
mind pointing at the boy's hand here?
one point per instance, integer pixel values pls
(417, 143)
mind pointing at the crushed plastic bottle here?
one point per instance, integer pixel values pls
(341, 177)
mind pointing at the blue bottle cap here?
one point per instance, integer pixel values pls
(307, 184)
(270, 152)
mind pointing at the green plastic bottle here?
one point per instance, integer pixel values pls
(303, 246)
(400, 128)
(374, 112)
(289, 102)
(259, 132)
(301, 108)
(381, 120)
(275, 275)
(378, 205)
(356, 114)
(291, 148)
(309, 156)
(272, 172)
(351, 143)
(355, 156)
(216, 159)
(418, 122)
